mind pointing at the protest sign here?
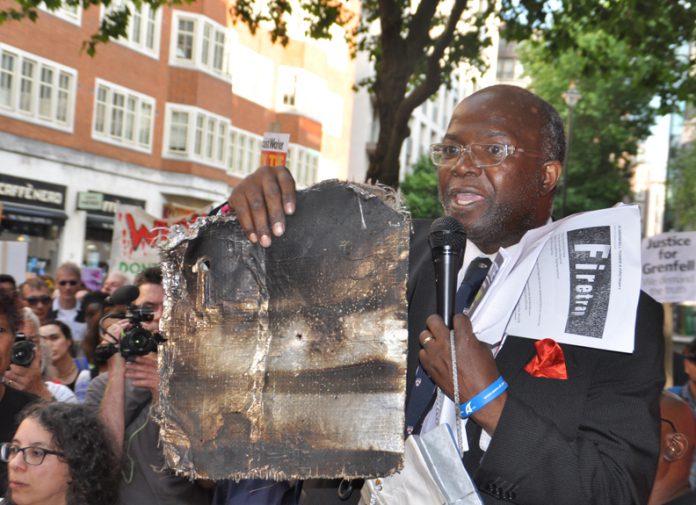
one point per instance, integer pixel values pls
(274, 149)
(669, 267)
(137, 235)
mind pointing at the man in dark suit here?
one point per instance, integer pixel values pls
(592, 437)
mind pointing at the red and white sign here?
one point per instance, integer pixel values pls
(137, 236)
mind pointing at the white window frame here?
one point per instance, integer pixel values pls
(206, 136)
(61, 95)
(70, 13)
(137, 35)
(210, 43)
(244, 152)
(303, 164)
(106, 109)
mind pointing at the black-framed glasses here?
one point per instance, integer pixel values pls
(482, 155)
(70, 282)
(35, 300)
(32, 455)
(674, 428)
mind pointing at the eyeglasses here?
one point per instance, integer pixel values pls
(32, 455)
(71, 282)
(482, 155)
(35, 300)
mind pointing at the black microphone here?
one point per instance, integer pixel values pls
(125, 295)
(447, 242)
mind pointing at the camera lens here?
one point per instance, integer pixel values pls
(23, 353)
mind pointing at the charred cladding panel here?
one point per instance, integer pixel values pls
(288, 362)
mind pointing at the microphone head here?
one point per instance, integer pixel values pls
(447, 231)
(125, 295)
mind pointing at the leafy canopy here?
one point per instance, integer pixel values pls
(682, 187)
(420, 190)
(614, 114)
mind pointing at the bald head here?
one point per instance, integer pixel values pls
(114, 281)
(546, 118)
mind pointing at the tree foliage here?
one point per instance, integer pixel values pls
(420, 190)
(613, 115)
(415, 47)
(682, 188)
(656, 34)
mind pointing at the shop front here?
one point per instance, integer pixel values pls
(99, 226)
(33, 212)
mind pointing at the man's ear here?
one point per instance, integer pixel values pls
(676, 447)
(552, 171)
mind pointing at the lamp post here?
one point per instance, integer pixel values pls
(571, 97)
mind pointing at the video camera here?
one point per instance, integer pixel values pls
(135, 341)
(23, 351)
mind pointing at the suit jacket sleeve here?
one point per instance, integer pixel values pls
(591, 439)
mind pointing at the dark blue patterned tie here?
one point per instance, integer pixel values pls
(423, 389)
(473, 278)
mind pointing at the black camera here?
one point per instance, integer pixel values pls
(135, 341)
(23, 351)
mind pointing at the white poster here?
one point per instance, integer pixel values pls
(137, 236)
(13, 259)
(669, 267)
(576, 281)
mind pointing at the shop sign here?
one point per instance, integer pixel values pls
(87, 200)
(109, 203)
(32, 192)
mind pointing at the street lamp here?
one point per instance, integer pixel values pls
(572, 96)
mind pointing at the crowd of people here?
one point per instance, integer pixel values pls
(76, 422)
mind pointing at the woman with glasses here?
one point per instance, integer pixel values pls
(60, 455)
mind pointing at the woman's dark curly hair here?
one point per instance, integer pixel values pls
(10, 307)
(78, 433)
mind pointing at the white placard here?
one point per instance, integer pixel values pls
(669, 267)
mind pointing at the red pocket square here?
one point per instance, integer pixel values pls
(549, 362)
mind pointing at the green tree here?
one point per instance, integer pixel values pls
(612, 117)
(419, 189)
(682, 188)
(654, 33)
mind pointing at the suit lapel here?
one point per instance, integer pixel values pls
(514, 355)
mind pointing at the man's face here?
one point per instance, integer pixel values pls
(93, 312)
(6, 340)
(151, 297)
(68, 284)
(497, 204)
(7, 286)
(690, 369)
(112, 283)
(38, 300)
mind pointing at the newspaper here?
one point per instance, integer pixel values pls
(576, 280)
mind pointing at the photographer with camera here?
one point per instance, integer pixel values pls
(12, 401)
(128, 390)
(28, 364)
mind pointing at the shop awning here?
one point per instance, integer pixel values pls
(100, 222)
(33, 214)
